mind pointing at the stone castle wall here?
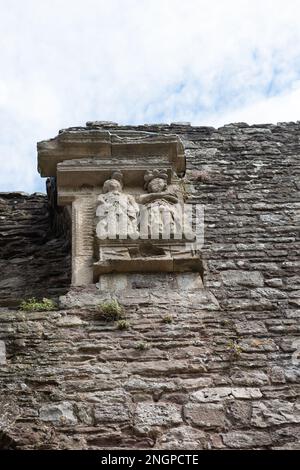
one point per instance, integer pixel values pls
(217, 376)
(34, 253)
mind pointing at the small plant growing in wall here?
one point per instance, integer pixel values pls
(224, 323)
(111, 310)
(235, 349)
(168, 319)
(141, 346)
(34, 305)
(123, 325)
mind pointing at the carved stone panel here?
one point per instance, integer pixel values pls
(126, 201)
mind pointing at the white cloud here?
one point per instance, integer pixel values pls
(285, 107)
(135, 61)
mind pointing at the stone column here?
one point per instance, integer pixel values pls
(83, 214)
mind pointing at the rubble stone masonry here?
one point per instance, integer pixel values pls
(222, 372)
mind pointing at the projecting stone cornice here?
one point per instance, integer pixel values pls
(144, 148)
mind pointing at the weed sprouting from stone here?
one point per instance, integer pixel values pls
(34, 305)
(111, 310)
(167, 319)
(235, 349)
(123, 325)
(141, 346)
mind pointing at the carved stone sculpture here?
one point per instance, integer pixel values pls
(117, 213)
(122, 191)
(161, 219)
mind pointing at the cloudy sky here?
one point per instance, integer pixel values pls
(64, 62)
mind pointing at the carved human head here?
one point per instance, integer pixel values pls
(156, 181)
(157, 185)
(114, 183)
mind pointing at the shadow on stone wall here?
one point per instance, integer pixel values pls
(35, 259)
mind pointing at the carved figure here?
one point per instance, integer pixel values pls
(117, 212)
(162, 215)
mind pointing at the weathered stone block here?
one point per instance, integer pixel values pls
(221, 393)
(239, 412)
(2, 353)
(275, 413)
(69, 321)
(246, 439)
(139, 384)
(58, 413)
(207, 416)
(113, 406)
(182, 437)
(269, 293)
(251, 327)
(243, 278)
(277, 375)
(249, 378)
(156, 415)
